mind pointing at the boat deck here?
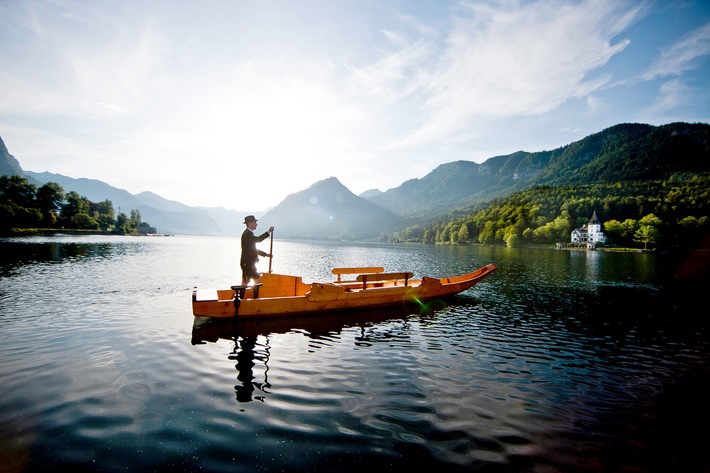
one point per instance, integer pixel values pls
(277, 285)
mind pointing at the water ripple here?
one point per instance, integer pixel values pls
(559, 362)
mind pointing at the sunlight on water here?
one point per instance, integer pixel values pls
(559, 361)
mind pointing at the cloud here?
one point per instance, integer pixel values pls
(395, 76)
(507, 59)
(212, 104)
(683, 55)
(673, 62)
(59, 72)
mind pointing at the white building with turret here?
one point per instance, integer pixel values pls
(590, 233)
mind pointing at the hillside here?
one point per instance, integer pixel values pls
(327, 209)
(626, 152)
(167, 216)
(9, 166)
(630, 152)
(668, 213)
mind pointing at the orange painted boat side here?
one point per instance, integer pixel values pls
(282, 295)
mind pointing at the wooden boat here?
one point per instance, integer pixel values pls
(281, 295)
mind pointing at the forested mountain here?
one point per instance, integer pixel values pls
(630, 152)
(646, 160)
(659, 213)
(622, 153)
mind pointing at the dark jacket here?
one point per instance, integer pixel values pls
(250, 254)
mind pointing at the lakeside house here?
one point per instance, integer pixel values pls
(590, 233)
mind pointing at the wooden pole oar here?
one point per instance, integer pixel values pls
(271, 251)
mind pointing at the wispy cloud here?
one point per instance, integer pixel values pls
(682, 55)
(516, 58)
(678, 58)
(70, 76)
(369, 93)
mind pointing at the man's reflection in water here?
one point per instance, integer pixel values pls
(245, 354)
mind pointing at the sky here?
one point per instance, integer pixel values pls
(240, 103)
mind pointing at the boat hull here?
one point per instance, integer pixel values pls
(283, 295)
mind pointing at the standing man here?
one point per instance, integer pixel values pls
(250, 254)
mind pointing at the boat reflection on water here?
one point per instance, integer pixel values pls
(245, 333)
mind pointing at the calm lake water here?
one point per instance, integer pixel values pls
(560, 361)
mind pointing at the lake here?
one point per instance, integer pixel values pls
(559, 361)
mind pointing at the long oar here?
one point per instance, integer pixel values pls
(271, 251)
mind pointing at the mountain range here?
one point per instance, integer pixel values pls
(626, 152)
(327, 209)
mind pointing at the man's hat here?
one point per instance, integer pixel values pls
(250, 218)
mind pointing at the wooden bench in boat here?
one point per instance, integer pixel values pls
(379, 277)
(368, 270)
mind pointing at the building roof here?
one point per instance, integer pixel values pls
(594, 220)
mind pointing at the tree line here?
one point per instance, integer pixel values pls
(660, 213)
(25, 206)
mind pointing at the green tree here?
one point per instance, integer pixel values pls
(122, 224)
(14, 216)
(18, 203)
(691, 231)
(49, 201)
(646, 234)
(651, 220)
(105, 215)
(628, 227)
(512, 241)
(84, 221)
(130, 225)
(487, 235)
(562, 228)
(463, 234)
(528, 234)
(135, 220)
(18, 190)
(429, 236)
(74, 205)
(648, 230)
(612, 229)
(443, 234)
(545, 233)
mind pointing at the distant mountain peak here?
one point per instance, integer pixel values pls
(370, 193)
(9, 166)
(332, 183)
(328, 209)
